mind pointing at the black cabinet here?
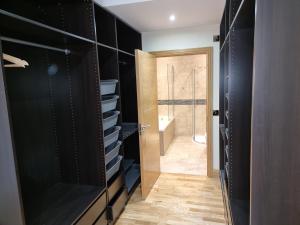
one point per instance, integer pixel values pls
(52, 139)
(236, 73)
(51, 106)
(259, 119)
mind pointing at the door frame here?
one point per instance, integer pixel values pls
(209, 112)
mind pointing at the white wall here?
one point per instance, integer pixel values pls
(195, 37)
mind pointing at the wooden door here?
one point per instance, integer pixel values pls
(148, 120)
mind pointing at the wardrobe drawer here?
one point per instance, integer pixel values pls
(102, 220)
(94, 212)
(116, 207)
(115, 187)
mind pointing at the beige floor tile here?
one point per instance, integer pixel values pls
(185, 157)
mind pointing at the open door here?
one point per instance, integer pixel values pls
(148, 120)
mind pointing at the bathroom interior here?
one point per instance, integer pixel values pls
(182, 92)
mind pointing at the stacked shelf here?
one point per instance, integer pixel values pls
(129, 129)
(236, 56)
(116, 43)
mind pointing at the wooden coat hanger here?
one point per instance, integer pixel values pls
(15, 62)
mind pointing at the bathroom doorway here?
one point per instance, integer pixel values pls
(184, 84)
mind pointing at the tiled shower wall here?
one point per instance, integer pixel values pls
(183, 92)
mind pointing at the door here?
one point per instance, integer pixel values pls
(148, 120)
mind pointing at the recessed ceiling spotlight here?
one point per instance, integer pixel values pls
(172, 17)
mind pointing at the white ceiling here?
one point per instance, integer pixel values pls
(151, 15)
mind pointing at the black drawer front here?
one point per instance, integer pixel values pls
(102, 220)
(117, 205)
(94, 212)
(115, 187)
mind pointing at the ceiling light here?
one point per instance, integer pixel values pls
(172, 17)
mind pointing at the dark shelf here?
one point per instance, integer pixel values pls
(61, 204)
(132, 176)
(240, 212)
(127, 164)
(129, 129)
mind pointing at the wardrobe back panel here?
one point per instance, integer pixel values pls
(105, 26)
(31, 105)
(73, 16)
(128, 88)
(128, 38)
(56, 124)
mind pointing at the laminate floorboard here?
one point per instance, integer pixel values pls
(177, 200)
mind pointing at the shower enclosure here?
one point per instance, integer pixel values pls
(199, 104)
(171, 79)
(182, 95)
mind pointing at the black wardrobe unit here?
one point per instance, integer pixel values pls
(236, 69)
(259, 102)
(52, 149)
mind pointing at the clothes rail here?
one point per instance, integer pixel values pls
(66, 51)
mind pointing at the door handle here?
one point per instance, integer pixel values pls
(143, 127)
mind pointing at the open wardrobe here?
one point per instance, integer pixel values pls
(69, 141)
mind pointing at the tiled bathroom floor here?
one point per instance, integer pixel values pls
(185, 157)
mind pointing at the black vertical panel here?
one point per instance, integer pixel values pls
(222, 30)
(87, 115)
(275, 186)
(240, 93)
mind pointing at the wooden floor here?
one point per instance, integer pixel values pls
(177, 200)
(184, 156)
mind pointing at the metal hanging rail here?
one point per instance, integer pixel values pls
(17, 41)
